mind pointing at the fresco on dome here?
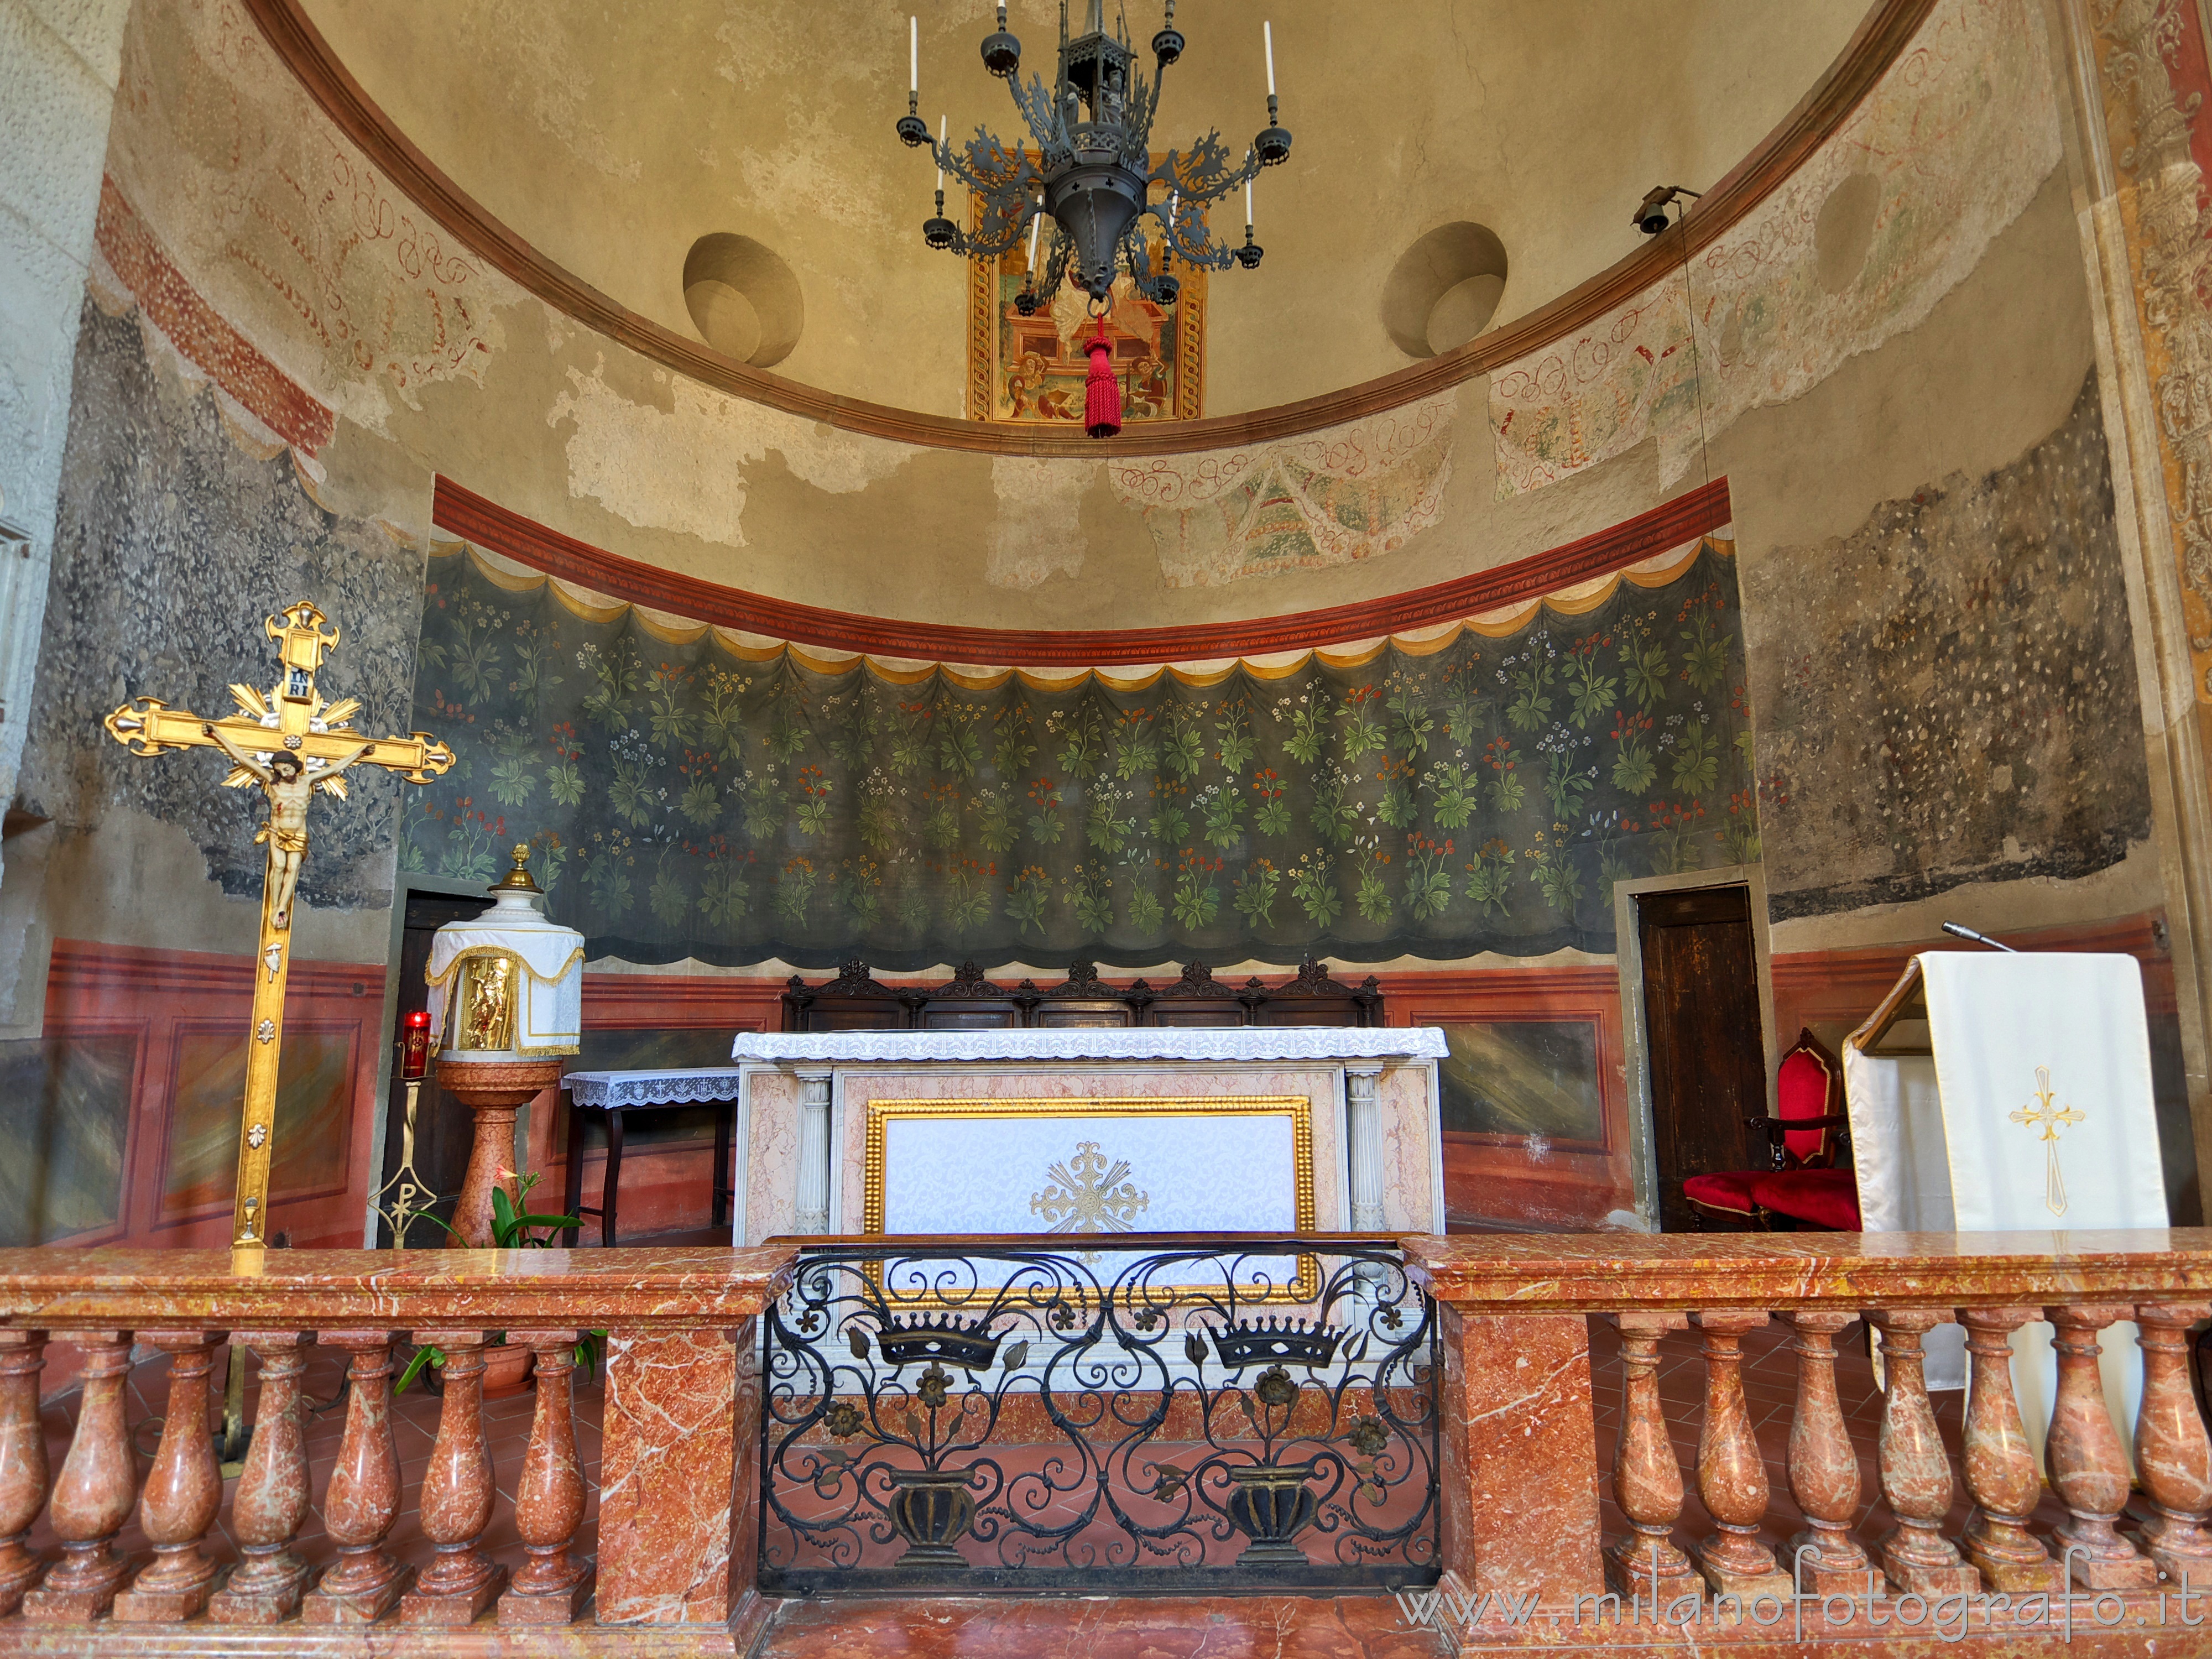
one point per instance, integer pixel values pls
(1323, 498)
(686, 800)
(1855, 246)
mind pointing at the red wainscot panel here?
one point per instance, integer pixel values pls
(129, 1107)
(642, 1022)
(1534, 1095)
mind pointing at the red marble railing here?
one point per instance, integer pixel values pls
(1523, 1471)
(1515, 1314)
(677, 1525)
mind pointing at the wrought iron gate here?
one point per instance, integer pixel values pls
(1215, 1411)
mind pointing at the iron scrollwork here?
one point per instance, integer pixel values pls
(1006, 1416)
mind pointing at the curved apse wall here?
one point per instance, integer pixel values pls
(1938, 332)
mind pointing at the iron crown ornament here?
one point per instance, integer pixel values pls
(1088, 169)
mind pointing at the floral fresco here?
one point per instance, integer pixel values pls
(686, 797)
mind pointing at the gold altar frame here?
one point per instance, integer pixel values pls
(1297, 1107)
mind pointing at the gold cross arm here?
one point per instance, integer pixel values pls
(147, 726)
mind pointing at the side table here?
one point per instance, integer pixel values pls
(619, 1093)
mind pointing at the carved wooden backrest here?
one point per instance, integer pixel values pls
(1314, 999)
(1198, 999)
(851, 1002)
(970, 1002)
(1084, 999)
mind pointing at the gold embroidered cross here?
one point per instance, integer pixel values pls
(2044, 1116)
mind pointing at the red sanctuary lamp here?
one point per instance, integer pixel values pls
(415, 1046)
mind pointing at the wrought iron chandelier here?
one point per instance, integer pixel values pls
(1088, 168)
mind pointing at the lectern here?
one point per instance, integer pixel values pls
(2010, 1093)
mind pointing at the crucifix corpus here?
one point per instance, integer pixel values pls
(290, 743)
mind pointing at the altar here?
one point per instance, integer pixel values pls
(1078, 1130)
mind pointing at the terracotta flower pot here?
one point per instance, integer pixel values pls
(507, 1371)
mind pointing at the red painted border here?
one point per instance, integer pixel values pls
(193, 326)
(462, 512)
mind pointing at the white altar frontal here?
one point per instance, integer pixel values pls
(1078, 1130)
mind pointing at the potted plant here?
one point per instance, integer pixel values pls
(508, 1365)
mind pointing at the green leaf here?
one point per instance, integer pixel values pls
(1016, 1355)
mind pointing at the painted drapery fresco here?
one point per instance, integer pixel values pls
(689, 799)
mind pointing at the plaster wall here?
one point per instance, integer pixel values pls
(612, 138)
(59, 61)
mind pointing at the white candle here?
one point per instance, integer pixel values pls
(1247, 204)
(1267, 34)
(1036, 223)
(914, 54)
(940, 152)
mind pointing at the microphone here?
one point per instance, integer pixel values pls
(1958, 931)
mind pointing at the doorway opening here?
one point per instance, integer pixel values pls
(1700, 978)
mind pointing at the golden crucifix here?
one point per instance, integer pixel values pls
(2049, 1118)
(291, 743)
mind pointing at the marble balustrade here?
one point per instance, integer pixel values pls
(1522, 1467)
(1516, 1312)
(677, 1522)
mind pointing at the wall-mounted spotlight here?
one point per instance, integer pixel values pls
(1650, 215)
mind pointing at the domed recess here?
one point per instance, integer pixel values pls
(1444, 289)
(743, 300)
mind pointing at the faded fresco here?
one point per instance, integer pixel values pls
(2152, 58)
(687, 800)
(1321, 499)
(65, 1117)
(1855, 248)
(1532, 1077)
(314, 1101)
(176, 537)
(1968, 710)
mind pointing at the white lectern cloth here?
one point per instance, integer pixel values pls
(2034, 1114)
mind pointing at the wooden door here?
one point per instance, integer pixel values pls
(444, 1129)
(1701, 1022)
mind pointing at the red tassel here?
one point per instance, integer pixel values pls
(1102, 400)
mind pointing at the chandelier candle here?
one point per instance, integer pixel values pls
(1086, 163)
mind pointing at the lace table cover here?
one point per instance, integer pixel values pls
(1253, 1042)
(683, 1086)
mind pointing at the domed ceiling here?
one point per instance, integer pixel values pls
(745, 146)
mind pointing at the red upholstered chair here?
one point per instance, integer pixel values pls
(1809, 1128)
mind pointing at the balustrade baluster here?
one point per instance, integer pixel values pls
(1824, 1465)
(93, 1497)
(457, 1494)
(362, 1499)
(1916, 1470)
(549, 1500)
(1731, 1475)
(2173, 1455)
(1647, 1477)
(272, 1495)
(2088, 1466)
(2002, 1476)
(183, 1490)
(22, 1462)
